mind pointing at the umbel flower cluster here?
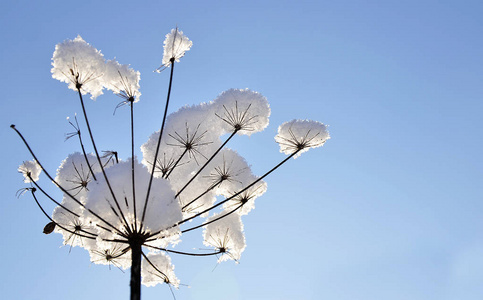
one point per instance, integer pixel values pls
(129, 213)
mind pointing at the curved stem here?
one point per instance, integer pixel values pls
(183, 253)
(152, 265)
(52, 199)
(59, 186)
(214, 220)
(93, 235)
(202, 194)
(158, 144)
(100, 162)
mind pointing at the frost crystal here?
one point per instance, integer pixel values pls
(80, 65)
(175, 46)
(298, 136)
(30, 171)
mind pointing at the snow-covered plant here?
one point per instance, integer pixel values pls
(129, 213)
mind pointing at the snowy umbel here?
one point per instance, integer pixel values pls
(124, 211)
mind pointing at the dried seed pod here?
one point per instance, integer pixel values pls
(49, 228)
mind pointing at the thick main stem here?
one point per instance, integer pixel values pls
(135, 282)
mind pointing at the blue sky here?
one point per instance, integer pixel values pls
(390, 208)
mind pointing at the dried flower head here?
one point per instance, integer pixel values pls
(80, 65)
(175, 46)
(301, 135)
(30, 171)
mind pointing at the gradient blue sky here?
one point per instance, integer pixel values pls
(390, 208)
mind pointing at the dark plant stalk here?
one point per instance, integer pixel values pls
(158, 144)
(135, 282)
(202, 194)
(183, 253)
(85, 155)
(100, 162)
(214, 220)
(176, 163)
(132, 166)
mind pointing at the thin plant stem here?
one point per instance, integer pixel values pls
(100, 162)
(85, 157)
(52, 199)
(158, 144)
(132, 166)
(78, 132)
(202, 194)
(93, 235)
(183, 253)
(176, 163)
(152, 265)
(214, 220)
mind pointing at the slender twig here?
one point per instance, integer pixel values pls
(176, 163)
(100, 162)
(211, 187)
(214, 220)
(166, 279)
(93, 235)
(183, 253)
(78, 133)
(159, 143)
(52, 199)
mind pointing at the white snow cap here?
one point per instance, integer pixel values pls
(30, 168)
(122, 80)
(301, 135)
(111, 254)
(163, 273)
(225, 235)
(77, 62)
(175, 46)
(243, 109)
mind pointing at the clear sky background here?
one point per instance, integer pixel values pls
(390, 208)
